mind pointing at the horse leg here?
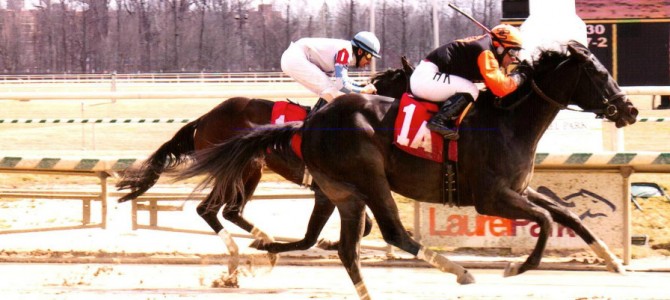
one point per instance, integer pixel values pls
(208, 209)
(565, 217)
(394, 233)
(511, 205)
(322, 211)
(326, 244)
(352, 213)
(334, 245)
(234, 214)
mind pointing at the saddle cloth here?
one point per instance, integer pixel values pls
(284, 112)
(411, 134)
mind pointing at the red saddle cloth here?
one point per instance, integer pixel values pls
(411, 134)
(284, 112)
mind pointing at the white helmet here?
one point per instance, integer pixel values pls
(367, 41)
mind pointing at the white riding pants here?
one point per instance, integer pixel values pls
(428, 83)
(295, 64)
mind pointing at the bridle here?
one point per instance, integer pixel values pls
(610, 109)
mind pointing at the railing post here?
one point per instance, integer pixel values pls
(113, 87)
(103, 198)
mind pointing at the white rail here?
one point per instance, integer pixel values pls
(646, 90)
(263, 77)
(250, 92)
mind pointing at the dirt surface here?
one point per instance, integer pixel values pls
(141, 282)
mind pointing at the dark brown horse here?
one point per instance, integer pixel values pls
(348, 148)
(229, 119)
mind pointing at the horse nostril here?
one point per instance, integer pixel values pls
(633, 111)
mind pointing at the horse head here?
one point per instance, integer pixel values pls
(594, 89)
(393, 82)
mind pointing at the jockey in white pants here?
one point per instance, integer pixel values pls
(312, 61)
(448, 73)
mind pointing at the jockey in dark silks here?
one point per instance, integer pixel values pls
(448, 73)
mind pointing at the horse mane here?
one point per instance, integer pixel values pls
(382, 74)
(548, 60)
(545, 63)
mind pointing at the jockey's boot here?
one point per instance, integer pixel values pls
(319, 104)
(449, 111)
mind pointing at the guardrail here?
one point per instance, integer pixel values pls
(45, 167)
(157, 77)
(151, 202)
(222, 94)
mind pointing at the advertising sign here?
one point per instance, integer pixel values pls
(597, 198)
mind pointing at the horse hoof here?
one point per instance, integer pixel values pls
(616, 267)
(273, 257)
(512, 269)
(231, 282)
(256, 244)
(466, 278)
(226, 282)
(324, 244)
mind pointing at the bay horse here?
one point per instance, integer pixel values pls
(230, 118)
(348, 148)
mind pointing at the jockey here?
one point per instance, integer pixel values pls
(447, 73)
(311, 62)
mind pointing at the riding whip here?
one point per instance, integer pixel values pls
(482, 26)
(469, 17)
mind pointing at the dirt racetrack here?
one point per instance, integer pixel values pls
(140, 282)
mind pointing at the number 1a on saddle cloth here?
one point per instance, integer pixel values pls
(411, 134)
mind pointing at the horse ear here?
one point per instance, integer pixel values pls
(406, 66)
(578, 50)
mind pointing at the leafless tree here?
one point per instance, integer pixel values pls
(213, 35)
(179, 10)
(10, 42)
(347, 17)
(326, 20)
(202, 6)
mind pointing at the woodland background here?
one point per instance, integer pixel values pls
(140, 36)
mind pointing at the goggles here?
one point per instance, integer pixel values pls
(368, 55)
(513, 52)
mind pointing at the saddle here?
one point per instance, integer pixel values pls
(412, 136)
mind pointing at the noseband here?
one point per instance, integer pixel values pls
(610, 109)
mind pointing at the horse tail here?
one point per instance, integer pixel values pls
(171, 154)
(226, 165)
